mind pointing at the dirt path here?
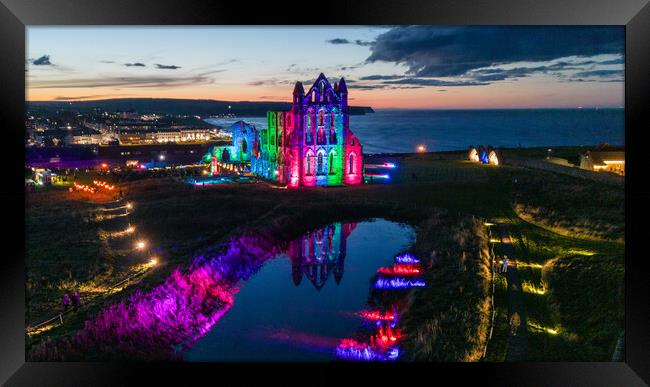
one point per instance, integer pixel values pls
(111, 208)
(517, 340)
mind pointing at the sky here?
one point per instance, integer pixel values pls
(398, 67)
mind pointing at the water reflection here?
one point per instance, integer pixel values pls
(380, 339)
(319, 253)
(165, 321)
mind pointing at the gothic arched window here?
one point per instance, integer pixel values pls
(351, 170)
(319, 166)
(330, 162)
(333, 128)
(308, 129)
(309, 162)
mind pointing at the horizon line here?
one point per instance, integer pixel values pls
(376, 109)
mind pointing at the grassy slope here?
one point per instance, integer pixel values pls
(448, 320)
(569, 206)
(583, 300)
(177, 219)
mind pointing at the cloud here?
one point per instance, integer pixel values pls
(84, 97)
(106, 61)
(229, 61)
(42, 61)
(432, 82)
(126, 81)
(274, 98)
(620, 60)
(346, 41)
(600, 76)
(167, 67)
(274, 82)
(378, 77)
(136, 64)
(349, 67)
(363, 43)
(338, 41)
(386, 86)
(454, 51)
(370, 87)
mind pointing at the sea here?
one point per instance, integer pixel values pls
(396, 131)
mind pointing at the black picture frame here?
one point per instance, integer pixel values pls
(15, 15)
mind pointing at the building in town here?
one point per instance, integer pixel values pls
(604, 158)
(309, 145)
(164, 135)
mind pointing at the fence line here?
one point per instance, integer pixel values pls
(494, 311)
(59, 316)
(90, 302)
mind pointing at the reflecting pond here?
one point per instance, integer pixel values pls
(258, 298)
(298, 306)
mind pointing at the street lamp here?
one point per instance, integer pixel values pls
(140, 245)
(129, 206)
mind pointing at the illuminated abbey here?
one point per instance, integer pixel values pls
(309, 145)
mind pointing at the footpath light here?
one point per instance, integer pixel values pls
(153, 261)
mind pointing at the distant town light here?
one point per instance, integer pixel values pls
(421, 148)
(104, 165)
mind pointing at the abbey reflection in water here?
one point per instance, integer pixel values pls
(189, 303)
(320, 252)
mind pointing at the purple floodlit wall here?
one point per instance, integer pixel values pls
(158, 324)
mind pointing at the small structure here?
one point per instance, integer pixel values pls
(242, 152)
(492, 156)
(483, 155)
(604, 158)
(473, 154)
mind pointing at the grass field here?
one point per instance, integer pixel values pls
(445, 202)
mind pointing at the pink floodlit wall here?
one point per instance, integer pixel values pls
(317, 124)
